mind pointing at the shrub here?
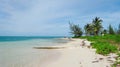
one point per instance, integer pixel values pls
(104, 44)
(104, 48)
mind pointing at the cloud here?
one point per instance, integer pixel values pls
(35, 19)
(44, 17)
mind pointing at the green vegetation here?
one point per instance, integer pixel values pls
(97, 25)
(105, 41)
(75, 30)
(88, 29)
(104, 44)
(118, 31)
(111, 30)
(93, 28)
(105, 48)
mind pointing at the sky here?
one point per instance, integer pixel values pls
(51, 17)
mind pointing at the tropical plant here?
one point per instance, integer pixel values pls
(75, 30)
(111, 30)
(104, 45)
(88, 29)
(104, 31)
(118, 31)
(97, 25)
(104, 48)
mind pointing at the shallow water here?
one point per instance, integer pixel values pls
(22, 54)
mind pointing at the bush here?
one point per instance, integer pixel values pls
(104, 48)
(104, 44)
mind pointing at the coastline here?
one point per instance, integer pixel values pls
(74, 55)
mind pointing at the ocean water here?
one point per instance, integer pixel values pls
(18, 51)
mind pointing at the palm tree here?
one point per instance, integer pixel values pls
(111, 30)
(118, 31)
(88, 29)
(97, 25)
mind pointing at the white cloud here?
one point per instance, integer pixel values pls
(48, 16)
(35, 19)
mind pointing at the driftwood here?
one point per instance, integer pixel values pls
(49, 47)
(95, 61)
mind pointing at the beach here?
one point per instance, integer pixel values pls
(59, 33)
(19, 52)
(50, 52)
(75, 55)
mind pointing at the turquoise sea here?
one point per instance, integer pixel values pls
(18, 51)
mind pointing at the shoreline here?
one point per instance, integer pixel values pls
(75, 55)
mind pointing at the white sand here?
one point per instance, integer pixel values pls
(77, 56)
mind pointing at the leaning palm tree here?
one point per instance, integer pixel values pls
(97, 25)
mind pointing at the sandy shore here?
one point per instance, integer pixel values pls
(74, 55)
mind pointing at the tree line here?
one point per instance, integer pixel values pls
(95, 28)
